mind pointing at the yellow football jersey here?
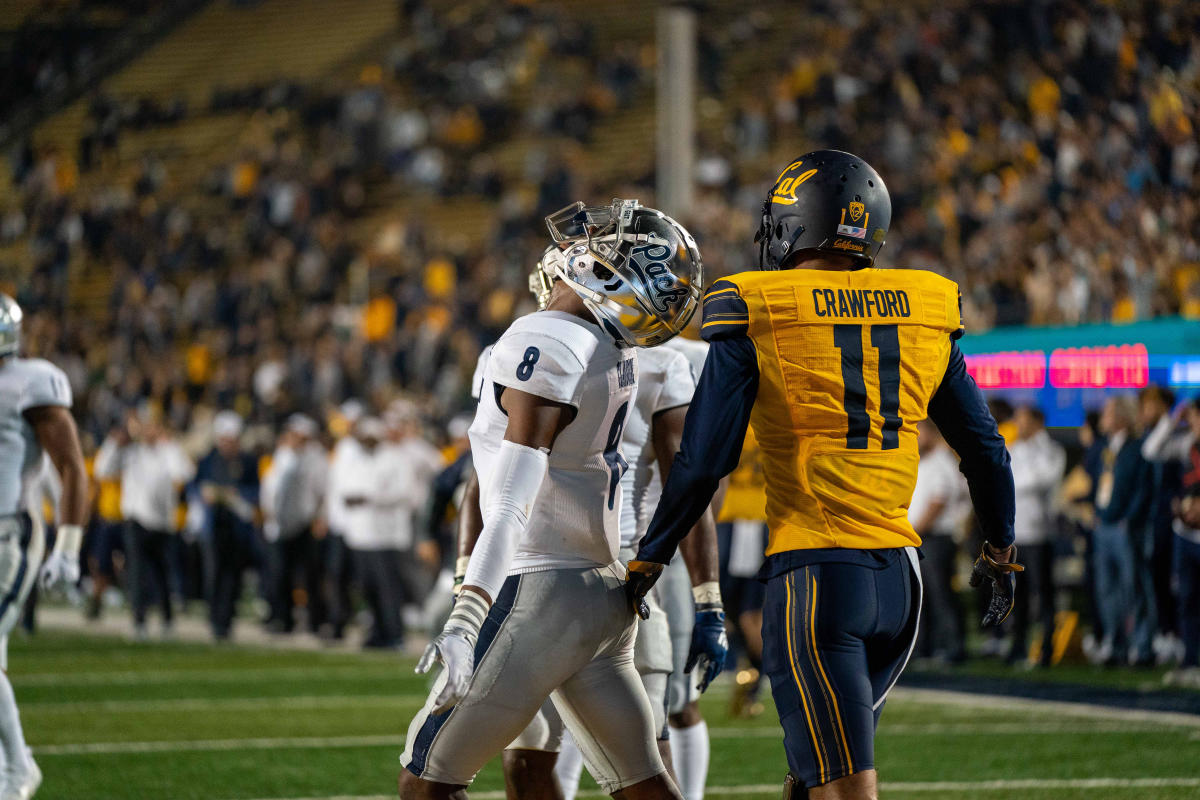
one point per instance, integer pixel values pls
(746, 497)
(848, 362)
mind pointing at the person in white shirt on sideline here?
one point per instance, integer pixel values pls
(1039, 464)
(332, 528)
(938, 512)
(408, 465)
(293, 490)
(152, 467)
(370, 535)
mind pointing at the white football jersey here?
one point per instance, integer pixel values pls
(558, 356)
(664, 382)
(25, 383)
(695, 351)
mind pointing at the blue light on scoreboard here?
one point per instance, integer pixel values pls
(1184, 373)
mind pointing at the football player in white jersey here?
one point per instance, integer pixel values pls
(543, 611)
(35, 418)
(666, 381)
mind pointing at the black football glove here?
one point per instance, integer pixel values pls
(640, 576)
(1002, 574)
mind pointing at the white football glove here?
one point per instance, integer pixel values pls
(61, 567)
(454, 647)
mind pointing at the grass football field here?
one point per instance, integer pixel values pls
(108, 720)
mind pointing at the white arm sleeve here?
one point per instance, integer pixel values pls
(519, 471)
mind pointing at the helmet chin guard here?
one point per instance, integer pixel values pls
(637, 270)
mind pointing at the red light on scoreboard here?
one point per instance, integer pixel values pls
(1125, 366)
(1017, 370)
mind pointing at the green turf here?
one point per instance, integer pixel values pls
(78, 691)
(1143, 680)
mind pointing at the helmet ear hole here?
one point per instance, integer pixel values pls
(601, 272)
(778, 229)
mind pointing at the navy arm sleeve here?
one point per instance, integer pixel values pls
(961, 414)
(713, 433)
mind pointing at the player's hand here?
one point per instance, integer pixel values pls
(999, 567)
(59, 570)
(454, 647)
(640, 577)
(710, 645)
(457, 654)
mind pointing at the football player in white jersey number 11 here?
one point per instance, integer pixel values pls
(543, 610)
(35, 418)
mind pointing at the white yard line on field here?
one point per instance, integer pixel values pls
(897, 787)
(216, 675)
(388, 740)
(1006, 703)
(291, 703)
(279, 743)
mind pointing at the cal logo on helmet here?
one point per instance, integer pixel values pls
(784, 192)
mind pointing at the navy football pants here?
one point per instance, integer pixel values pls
(835, 638)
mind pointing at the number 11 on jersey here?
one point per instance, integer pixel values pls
(885, 339)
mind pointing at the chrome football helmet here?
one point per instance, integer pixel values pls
(10, 326)
(637, 270)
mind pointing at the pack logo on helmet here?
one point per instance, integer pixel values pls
(648, 261)
(636, 269)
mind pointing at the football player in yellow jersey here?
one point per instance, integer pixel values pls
(833, 363)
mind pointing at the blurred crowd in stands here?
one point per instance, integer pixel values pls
(57, 44)
(1043, 155)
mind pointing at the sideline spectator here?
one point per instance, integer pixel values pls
(293, 489)
(347, 453)
(227, 481)
(1038, 464)
(1121, 500)
(376, 554)
(1154, 407)
(938, 513)
(407, 467)
(1165, 444)
(105, 534)
(152, 468)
